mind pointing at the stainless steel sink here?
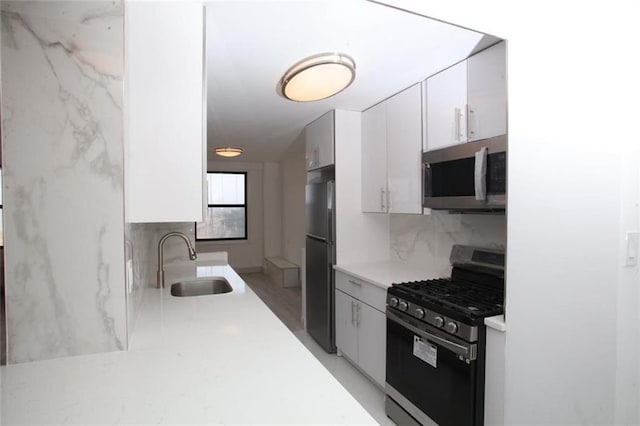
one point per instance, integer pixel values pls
(201, 287)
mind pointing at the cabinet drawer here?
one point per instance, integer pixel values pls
(362, 290)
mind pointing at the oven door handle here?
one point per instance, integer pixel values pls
(468, 352)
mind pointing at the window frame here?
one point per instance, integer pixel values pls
(245, 206)
(2, 209)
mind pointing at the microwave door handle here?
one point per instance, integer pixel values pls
(480, 174)
(426, 180)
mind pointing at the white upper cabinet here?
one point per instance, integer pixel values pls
(374, 159)
(319, 141)
(404, 149)
(446, 107)
(487, 93)
(468, 101)
(165, 143)
(391, 147)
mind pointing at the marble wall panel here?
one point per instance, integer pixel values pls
(62, 129)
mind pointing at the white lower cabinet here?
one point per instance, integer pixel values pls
(346, 328)
(372, 342)
(494, 378)
(361, 328)
(165, 134)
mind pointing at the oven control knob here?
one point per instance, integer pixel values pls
(451, 327)
(393, 302)
(420, 313)
(403, 305)
(439, 322)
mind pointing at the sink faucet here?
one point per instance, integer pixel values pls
(192, 253)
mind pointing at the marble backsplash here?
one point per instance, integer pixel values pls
(62, 129)
(142, 257)
(425, 241)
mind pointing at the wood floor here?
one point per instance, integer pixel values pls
(286, 303)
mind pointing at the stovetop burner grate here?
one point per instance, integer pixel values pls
(465, 298)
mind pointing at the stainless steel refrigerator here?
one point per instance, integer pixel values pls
(320, 257)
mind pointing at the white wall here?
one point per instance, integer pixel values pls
(572, 91)
(294, 178)
(62, 128)
(243, 254)
(628, 347)
(272, 225)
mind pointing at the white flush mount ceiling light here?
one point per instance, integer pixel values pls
(318, 77)
(228, 151)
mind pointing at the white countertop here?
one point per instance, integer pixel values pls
(383, 274)
(497, 323)
(193, 360)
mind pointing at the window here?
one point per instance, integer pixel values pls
(1, 228)
(226, 217)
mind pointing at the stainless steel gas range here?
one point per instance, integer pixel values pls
(436, 341)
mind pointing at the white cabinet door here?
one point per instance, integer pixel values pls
(346, 329)
(374, 159)
(319, 141)
(494, 378)
(404, 150)
(165, 155)
(372, 342)
(446, 107)
(487, 93)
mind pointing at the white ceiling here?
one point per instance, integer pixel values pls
(250, 44)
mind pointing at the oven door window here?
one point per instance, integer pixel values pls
(446, 392)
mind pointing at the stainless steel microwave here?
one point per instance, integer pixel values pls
(469, 176)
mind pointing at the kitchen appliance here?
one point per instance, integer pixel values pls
(468, 176)
(436, 341)
(320, 258)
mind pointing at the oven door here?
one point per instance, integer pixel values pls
(431, 375)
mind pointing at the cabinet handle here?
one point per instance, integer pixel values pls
(352, 313)
(355, 283)
(456, 119)
(470, 120)
(382, 200)
(389, 206)
(358, 315)
(467, 117)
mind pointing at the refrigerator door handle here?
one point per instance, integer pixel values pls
(330, 215)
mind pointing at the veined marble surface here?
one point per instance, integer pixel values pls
(223, 359)
(425, 241)
(142, 257)
(62, 126)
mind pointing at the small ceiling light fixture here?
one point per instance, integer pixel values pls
(228, 151)
(318, 77)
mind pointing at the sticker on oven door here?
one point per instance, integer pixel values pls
(425, 351)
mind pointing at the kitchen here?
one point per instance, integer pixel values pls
(576, 234)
